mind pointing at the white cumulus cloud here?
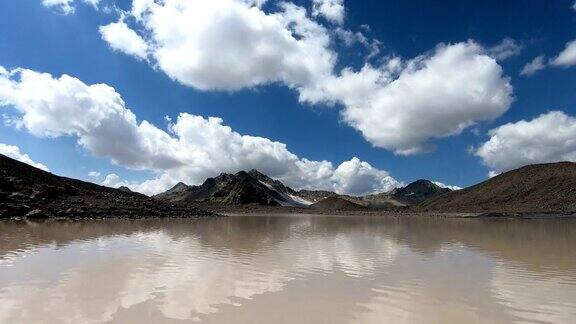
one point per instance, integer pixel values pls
(193, 149)
(113, 180)
(123, 39)
(95, 114)
(357, 178)
(400, 105)
(13, 152)
(231, 44)
(550, 137)
(332, 10)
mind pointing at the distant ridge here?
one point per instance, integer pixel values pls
(337, 204)
(254, 187)
(383, 200)
(413, 193)
(535, 188)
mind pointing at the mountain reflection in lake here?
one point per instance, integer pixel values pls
(289, 269)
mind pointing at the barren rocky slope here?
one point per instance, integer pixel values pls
(29, 192)
(534, 188)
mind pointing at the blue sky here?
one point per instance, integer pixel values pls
(46, 39)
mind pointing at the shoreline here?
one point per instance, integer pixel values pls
(259, 210)
(301, 212)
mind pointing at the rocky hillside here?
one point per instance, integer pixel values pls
(29, 192)
(175, 193)
(241, 188)
(336, 203)
(317, 195)
(534, 188)
(385, 200)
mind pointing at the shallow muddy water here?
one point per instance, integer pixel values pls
(289, 269)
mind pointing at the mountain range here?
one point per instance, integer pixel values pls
(549, 188)
(254, 187)
(29, 192)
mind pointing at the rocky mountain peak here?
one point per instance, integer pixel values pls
(239, 188)
(418, 191)
(125, 189)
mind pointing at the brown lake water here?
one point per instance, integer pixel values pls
(289, 269)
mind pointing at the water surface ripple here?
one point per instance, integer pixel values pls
(289, 269)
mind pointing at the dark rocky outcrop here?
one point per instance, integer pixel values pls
(276, 185)
(317, 195)
(534, 188)
(336, 203)
(35, 194)
(125, 189)
(418, 191)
